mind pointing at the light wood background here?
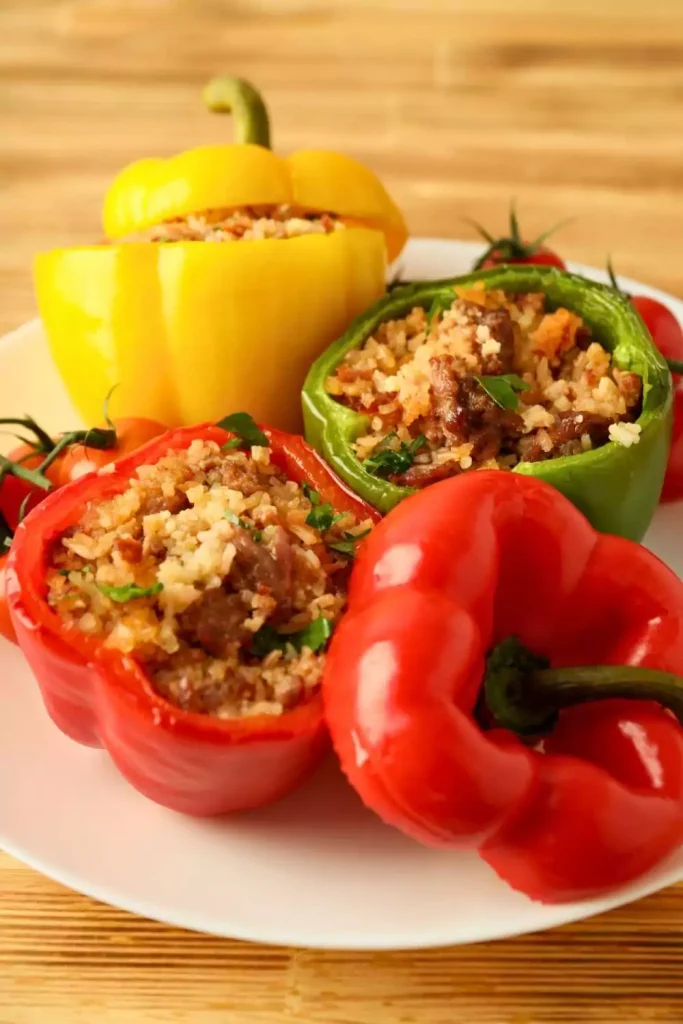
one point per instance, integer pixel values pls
(575, 108)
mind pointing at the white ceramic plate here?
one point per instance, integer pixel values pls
(316, 870)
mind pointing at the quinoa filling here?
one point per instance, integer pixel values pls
(245, 224)
(218, 574)
(493, 380)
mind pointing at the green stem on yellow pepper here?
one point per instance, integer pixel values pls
(229, 95)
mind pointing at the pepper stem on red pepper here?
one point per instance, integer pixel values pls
(228, 95)
(525, 695)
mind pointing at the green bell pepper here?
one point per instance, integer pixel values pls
(617, 488)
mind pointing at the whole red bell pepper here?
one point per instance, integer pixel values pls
(449, 577)
(189, 762)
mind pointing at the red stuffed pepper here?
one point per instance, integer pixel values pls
(175, 609)
(497, 576)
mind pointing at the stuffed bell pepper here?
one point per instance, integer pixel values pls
(521, 368)
(175, 609)
(298, 247)
(508, 680)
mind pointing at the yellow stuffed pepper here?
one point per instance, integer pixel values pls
(189, 331)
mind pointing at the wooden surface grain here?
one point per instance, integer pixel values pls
(571, 106)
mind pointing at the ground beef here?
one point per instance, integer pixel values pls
(418, 375)
(129, 548)
(173, 503)
(499, 323)
(216, 623)
(463, 412)
(257, 570)
(422, 474)
(216, 590)
(242, 478)
(630, 385)
(566, 438)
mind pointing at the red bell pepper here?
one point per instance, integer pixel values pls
(189, 762)
(451, 574)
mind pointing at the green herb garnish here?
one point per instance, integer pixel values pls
(503, 388)
(314, 636)
(313, 496)
(247, 431)
(323, 518)
(386, 461)
(129, 591)
(234, 442)
(440, 303)
(347, 546)
(244, 524)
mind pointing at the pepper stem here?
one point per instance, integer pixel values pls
(228, 95)
(675, 365)
(524, 694)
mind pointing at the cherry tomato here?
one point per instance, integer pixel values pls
(79, 459)
(6, 627)
(673, 480)
(668, 337)
(539, 255)
(14, 490)
(663, 326)
(667, 334)
(76, 460)
(513, 249)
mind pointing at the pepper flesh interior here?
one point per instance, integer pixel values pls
(422, 382)
(187, 568)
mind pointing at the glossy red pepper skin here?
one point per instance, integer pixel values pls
(189, 762)
(451, 572)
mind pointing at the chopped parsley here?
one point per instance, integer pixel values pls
(244, 524)
(503, 388)
(386, 461)
(314, 636)
(247, 432)
(347, 546)
(86, 570)
(129, 592)
(323, 518)
(440, 303)
(313, 496)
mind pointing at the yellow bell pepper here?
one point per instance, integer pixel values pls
(191, 330)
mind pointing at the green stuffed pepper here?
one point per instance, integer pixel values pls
(521, 367)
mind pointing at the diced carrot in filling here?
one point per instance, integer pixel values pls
(488, 382)
(220, 575)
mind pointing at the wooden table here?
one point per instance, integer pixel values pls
(571, 106)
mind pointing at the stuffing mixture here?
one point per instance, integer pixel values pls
(217, 573)
(490, 381)
(237, 225)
